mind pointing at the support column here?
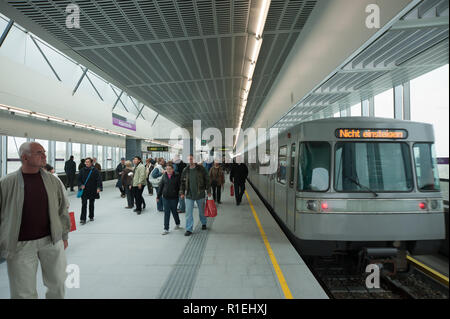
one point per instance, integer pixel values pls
(3, 155)
(372, 107)
(344, 111)
(406, 101)
(398, 102)
(133, 148)
(51, 153)
(365, 108)
(68, 150)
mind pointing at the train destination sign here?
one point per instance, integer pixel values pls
(157, 148)
(371, 133)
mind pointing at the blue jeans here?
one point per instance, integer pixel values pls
(159, 205)
(189, 212)
(170, 206)
(182, 204)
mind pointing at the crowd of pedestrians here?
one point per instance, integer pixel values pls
(39, 232)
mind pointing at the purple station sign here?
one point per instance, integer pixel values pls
(121, 121)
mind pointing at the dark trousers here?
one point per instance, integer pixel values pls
(130, 197)
(70, 181)
(170, 206)
(216, 189)
(239, 190)
(138, 197)
(121, 187)
(160, 204)
(84, 208)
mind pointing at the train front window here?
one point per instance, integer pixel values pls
(426, 167)
(314, 167)
(373, 167)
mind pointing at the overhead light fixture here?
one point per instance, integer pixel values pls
(262, 17)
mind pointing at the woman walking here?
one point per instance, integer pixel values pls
(168, 192)
(217, 179)
(127, 183)
(155, 178)
(90, 181)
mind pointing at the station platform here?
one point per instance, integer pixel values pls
(124, 255)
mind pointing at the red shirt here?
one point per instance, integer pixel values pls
(35, 216)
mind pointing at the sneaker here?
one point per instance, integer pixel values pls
(91, 219)
(188, 233)
(138, 212)
(219, 202)
(135, 210)
(204, 227)
(165, 232)
(82, 222)
(178, 227)
(128, 207)
(123, 196)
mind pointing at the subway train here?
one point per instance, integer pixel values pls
(346, 184)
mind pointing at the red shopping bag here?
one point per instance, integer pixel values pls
(210, 208)
(232, 190)
(73, 225)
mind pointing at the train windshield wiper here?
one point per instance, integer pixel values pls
(361, 186)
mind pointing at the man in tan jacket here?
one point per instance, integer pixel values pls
(34, 226)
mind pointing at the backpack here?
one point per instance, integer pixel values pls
(155, 173)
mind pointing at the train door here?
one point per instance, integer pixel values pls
(290, 217)
(281, 183)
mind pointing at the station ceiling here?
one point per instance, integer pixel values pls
(183, 58)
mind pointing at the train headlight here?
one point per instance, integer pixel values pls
(434, 204)
(312, 205)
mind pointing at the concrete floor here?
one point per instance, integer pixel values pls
(124, 255)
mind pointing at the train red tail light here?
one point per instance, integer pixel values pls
(324, 206)
(422, 205)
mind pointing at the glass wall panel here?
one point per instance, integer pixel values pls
(384, 104)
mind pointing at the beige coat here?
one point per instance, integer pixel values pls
(12, 190)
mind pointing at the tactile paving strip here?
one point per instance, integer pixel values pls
(180, 283)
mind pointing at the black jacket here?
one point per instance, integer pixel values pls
(180, 167)
(169, 187)
(70, 167)
(239, 173)
(119, 169)
(94, 182)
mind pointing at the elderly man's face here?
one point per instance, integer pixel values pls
(36, 157)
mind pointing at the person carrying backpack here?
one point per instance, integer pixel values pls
(155, 178)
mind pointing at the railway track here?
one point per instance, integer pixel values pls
(341, 281)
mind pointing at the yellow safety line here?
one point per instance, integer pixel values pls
(281, 279)
(439, 276)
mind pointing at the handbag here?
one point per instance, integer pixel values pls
(210, 208)
(73, 225)
(80, 191)
(232, 190)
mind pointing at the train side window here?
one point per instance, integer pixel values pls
(282, 165)
(314, 167)
(291, 176)
(426, 167)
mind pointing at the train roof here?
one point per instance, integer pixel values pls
(324, 129)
